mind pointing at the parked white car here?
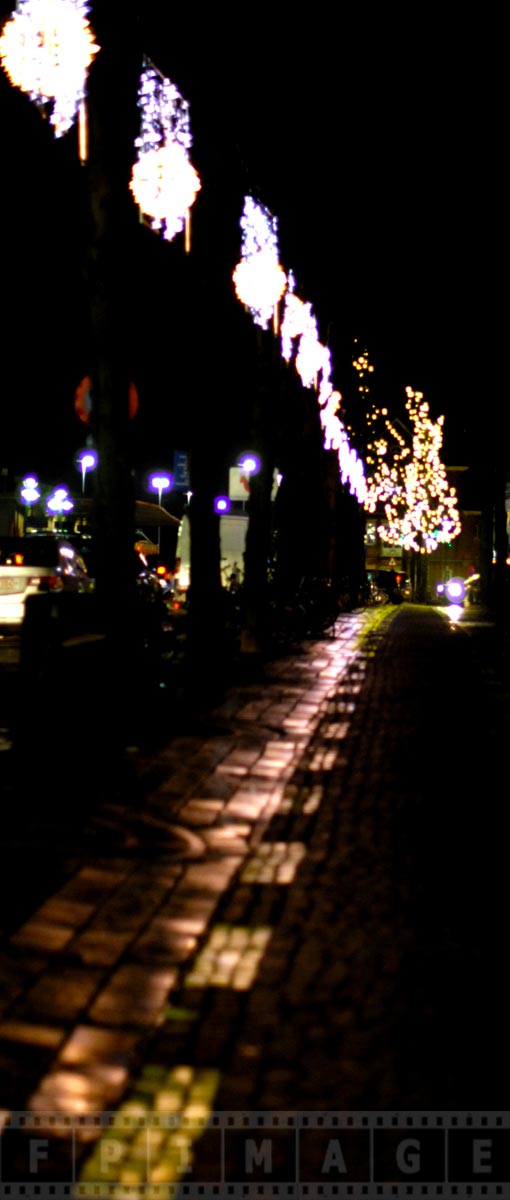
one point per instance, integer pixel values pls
(37, 563)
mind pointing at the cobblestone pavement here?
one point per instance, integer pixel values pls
(300, 906)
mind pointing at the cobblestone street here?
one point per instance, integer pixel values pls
(301, 907)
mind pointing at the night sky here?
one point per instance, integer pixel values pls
(378, 141)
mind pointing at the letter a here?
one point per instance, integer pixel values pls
(334, 1158)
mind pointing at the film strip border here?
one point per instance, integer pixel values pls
(246, 1155)
(257, 1119)
(275, 1191)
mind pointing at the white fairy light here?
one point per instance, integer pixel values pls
(329, 420)
(310, 355)
(314, 366)
(421, 509)
(259, 280)
(294, 318)
(164, 182)
(325, 368)
(46, 49)
(351, 467)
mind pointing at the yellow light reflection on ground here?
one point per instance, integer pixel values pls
(313, 799)
(230, 957)
(323, 760)
(150, 1139)
(273, 862)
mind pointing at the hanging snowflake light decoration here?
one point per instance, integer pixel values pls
(259, 280)
(46, 48)
(164, 182)
(329, 420)
(310, 355)
(352, 471)
(324, 383)
(295, 313)
(314, 366)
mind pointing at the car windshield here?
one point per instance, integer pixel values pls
(35, 551)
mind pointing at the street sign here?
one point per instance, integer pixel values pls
(181, 471)
(238, 484)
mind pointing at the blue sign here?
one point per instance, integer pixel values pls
(181, 471)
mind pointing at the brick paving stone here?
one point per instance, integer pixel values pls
(99, 947)
(165, 941)
(135, 995)
(62, 993)
(95, 1089)
(40, 934)
(380, 982)
(89, 1044)
(91, 884)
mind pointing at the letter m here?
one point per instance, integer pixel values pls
(258, 1156)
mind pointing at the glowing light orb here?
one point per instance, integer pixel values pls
(164, 184)
(46, 48)
(160, 483)
(249, 463)
(30, 493)
(60, 501)
(163, 181)
(258, 278)
(455, 590)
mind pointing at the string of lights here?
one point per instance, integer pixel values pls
(260, 283)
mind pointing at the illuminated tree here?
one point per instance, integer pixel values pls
(421, 507)
(385, 447)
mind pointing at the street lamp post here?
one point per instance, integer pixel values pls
(249, 463)
(60, 502)
(87, 460)
(160, 483)
(30, 493)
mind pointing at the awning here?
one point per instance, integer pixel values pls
(146, 514)
(153, 514)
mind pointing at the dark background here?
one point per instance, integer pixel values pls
(378, 140)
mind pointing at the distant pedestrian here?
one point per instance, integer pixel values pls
(234, 578)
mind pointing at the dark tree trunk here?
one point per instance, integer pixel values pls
(265, 409)
(112, 225)
(207, 664)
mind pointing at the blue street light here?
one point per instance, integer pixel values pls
(30, 493)
(87, 460)
(221, 504)
(60, 501)
(455, 590)
(249, 463)
(160, 483)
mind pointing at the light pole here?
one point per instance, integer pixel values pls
(87, 460)
(160, 483)
(30, 493)
(60, 502)
(249, 463)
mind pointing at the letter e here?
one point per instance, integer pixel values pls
(482, 1151)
